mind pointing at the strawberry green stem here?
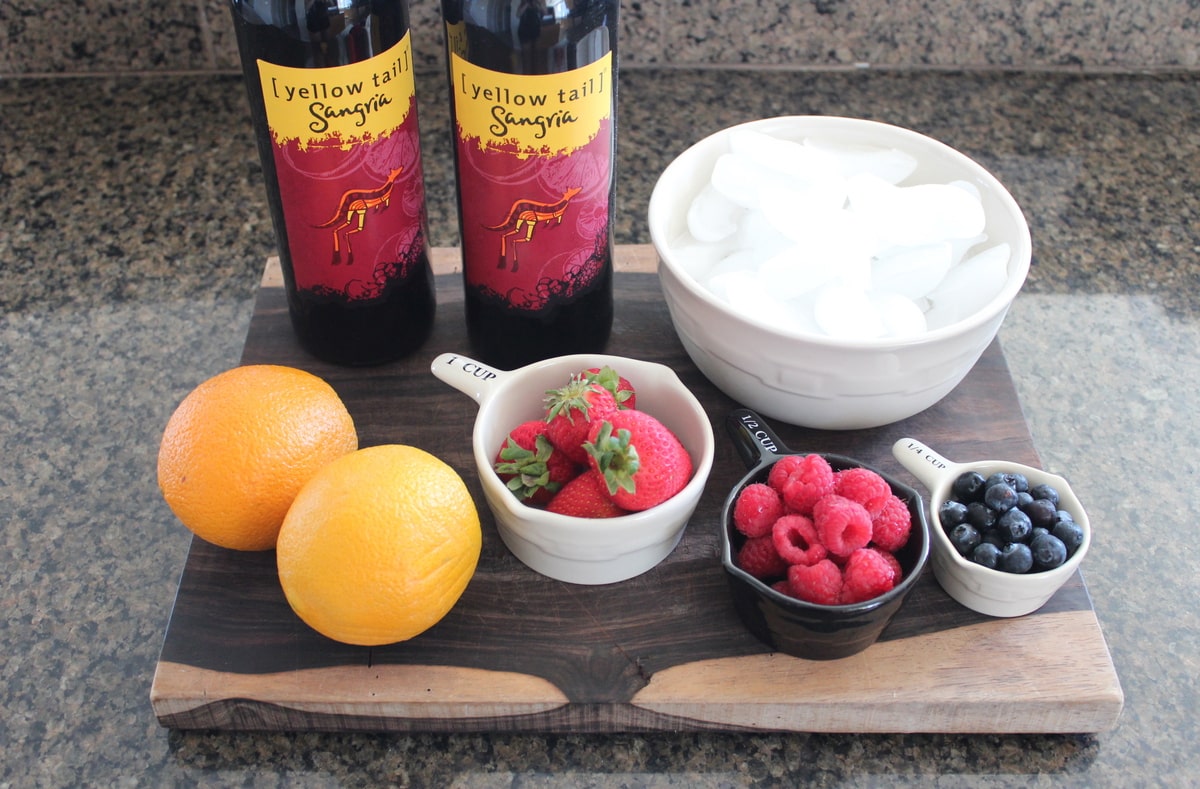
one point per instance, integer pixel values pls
(616, 459)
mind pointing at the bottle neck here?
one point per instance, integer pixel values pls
(535, 36)
(329, 32)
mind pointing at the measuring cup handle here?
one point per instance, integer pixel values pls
(922, 462)
(752, 437)
(472, 378)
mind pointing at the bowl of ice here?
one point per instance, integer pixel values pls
(835, 273)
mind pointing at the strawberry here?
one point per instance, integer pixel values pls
(530, 465)
(572, 410)
(586, 496)
(622, 391)
(642, 461)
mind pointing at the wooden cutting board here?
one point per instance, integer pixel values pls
(663, 651)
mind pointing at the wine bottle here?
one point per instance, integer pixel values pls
(534, 105)
(333, 101)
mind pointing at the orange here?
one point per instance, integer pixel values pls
(240, 446)
(379, 545)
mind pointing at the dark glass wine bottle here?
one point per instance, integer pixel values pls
(333, 101)
(533, 87)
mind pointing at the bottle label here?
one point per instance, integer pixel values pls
(347, 155)
(535, 174)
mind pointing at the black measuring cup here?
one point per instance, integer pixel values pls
(787, 624)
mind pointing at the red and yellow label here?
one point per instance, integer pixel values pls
(535, 156)
(344, 105)
(542, 115)
(347, 156)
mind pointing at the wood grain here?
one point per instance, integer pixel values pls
(665, 650)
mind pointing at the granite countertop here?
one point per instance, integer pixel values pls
(132, 236)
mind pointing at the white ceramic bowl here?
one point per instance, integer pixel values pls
(808, 379)
(580, 550)
(979, 588)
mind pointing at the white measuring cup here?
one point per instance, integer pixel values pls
(580, 550)
(980, 588)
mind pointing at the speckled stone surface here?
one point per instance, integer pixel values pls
(133, 231)
(103, 36)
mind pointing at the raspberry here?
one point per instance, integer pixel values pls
(783, 587)
(867, 575)
(782, 469)
(820, 583)
(796, 541)
(806, 482)
(893, 562)
(843, 526)
(864, 486)
(758, 506)
(891, 526)
(758, 557)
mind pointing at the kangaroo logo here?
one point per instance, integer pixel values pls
(351, 214)
(524, 217)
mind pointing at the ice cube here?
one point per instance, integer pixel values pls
(890, 164)
(834, 239)
(961, 246)
(791, 159)
(776, 313)
(967, 187)
(742, 260)
(851, 266)
(757, 234)
(969, 286)
(900, 315)
(727, 283)
(743, 181)
(795, 210)
(697, 259)
(712, 216)
(746, 296)
(915, 215)
(803, 313)
(940, 211)
(869, 196)
(795, 271)
(911, 271)
(847, 313)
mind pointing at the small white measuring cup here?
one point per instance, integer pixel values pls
(580, 550)
(980, 588)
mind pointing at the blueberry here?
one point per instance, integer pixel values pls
(1047, 492)
(964, 537)
(952, 513)
(980, 516)
(1000, 496)
(1048, 551)
(986, 554)
(1001, 521)
(993, 536)
(1041, 512)
(1071, 534)
(1014, 526)
(1015, 558)
(1017, 482)
(968, 486)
